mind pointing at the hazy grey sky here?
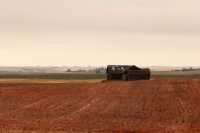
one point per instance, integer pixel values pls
(99, 32)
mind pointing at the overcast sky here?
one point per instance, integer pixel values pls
(99, 32)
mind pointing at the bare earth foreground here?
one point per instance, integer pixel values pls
(162, 105)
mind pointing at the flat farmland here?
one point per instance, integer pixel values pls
(160, 105)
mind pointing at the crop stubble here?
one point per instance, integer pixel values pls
(162, 105)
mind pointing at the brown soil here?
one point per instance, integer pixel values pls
(162, 105)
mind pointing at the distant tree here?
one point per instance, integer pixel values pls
(187, 69)
(68, 70)
(100, 70)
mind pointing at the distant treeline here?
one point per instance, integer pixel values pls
(188, 69)
(96, 74)
(95, 70)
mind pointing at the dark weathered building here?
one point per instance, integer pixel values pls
(127, 72)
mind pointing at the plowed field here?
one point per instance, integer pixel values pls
(162, 105)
